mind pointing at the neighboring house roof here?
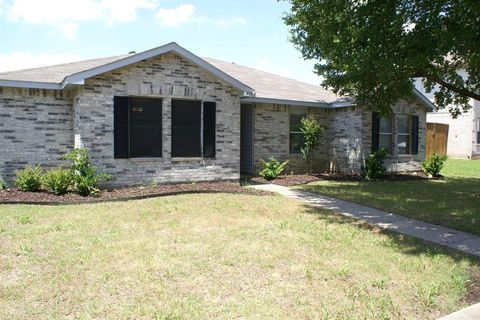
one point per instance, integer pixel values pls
(257, 86)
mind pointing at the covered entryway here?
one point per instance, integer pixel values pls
(247, 125)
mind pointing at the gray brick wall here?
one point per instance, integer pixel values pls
(36, 127)
(272, 137)
(345, 139)
(168, 77)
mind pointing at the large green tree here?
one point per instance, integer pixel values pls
(373, 49)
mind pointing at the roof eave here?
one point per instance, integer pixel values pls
(425, 101)
(30, 84)
(299, 103)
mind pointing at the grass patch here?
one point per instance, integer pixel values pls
(453, 202)
(462, 168)
(216, 256)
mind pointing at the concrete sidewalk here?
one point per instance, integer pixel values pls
(443, 236)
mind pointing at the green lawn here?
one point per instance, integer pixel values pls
(453, 202)
(216, 256)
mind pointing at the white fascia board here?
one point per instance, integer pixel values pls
(30, 84)
(429, 104)
(285, 102)
(170, 47)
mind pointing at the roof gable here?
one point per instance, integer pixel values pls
(99, 66)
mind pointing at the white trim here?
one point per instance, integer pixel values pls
(247, 100)
(30, 84)
(428, 104)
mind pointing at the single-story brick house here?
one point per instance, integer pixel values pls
(167, 115)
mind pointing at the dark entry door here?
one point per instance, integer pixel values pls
(246, 138)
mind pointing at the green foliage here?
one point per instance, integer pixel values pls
(84, 175)
(433, 165)
(374, 167)
(272, 168)
(57, 181)
(29, 179)
(3, 185)
(371, 50)
(311, 133)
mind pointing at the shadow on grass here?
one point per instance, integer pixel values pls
(452, 202)
(403, 243)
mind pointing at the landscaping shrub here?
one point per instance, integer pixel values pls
(57, 181)
(29, 179)
(311, 133)
(272, 168)
(83, 174)
(3, 185)
(433, 165)
(374, 167)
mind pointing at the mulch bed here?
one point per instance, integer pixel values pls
(297, 179)
(15, 196)
(473, 286)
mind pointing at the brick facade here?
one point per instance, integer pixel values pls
(36, 127)
(39, 126)
(345, 139)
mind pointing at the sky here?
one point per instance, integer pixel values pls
(247, 32)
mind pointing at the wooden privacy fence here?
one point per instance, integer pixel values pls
(437, 137)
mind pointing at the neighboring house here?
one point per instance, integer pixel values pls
(166, 115)
(463, 132)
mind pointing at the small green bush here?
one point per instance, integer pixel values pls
(272, 168)
(433, 165)
(374, 167)
(311, 134)
(57, 181)
(29, 179)
(3, 185)
(84, 175)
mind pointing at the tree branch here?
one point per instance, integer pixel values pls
(449, 86)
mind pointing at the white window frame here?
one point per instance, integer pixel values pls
(390, 134)
(478, 131)
(409, 134)
(298, 113)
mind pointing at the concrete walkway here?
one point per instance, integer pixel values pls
(443, 236)
(469, 313)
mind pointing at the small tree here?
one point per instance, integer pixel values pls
(311, 133)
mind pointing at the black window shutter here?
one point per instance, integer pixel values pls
(415, 134)
(375, 130)
(120, 127)
(209, 124)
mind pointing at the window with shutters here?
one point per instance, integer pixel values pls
(406, 127)
(193, 128)
(137, 127)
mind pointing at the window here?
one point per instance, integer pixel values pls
(478, 131)
(404, 134)
(407, 133)
(385, 135)
(296, 135)
(193, 128)
(137, 127)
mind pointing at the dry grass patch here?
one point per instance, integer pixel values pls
(215, 256)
